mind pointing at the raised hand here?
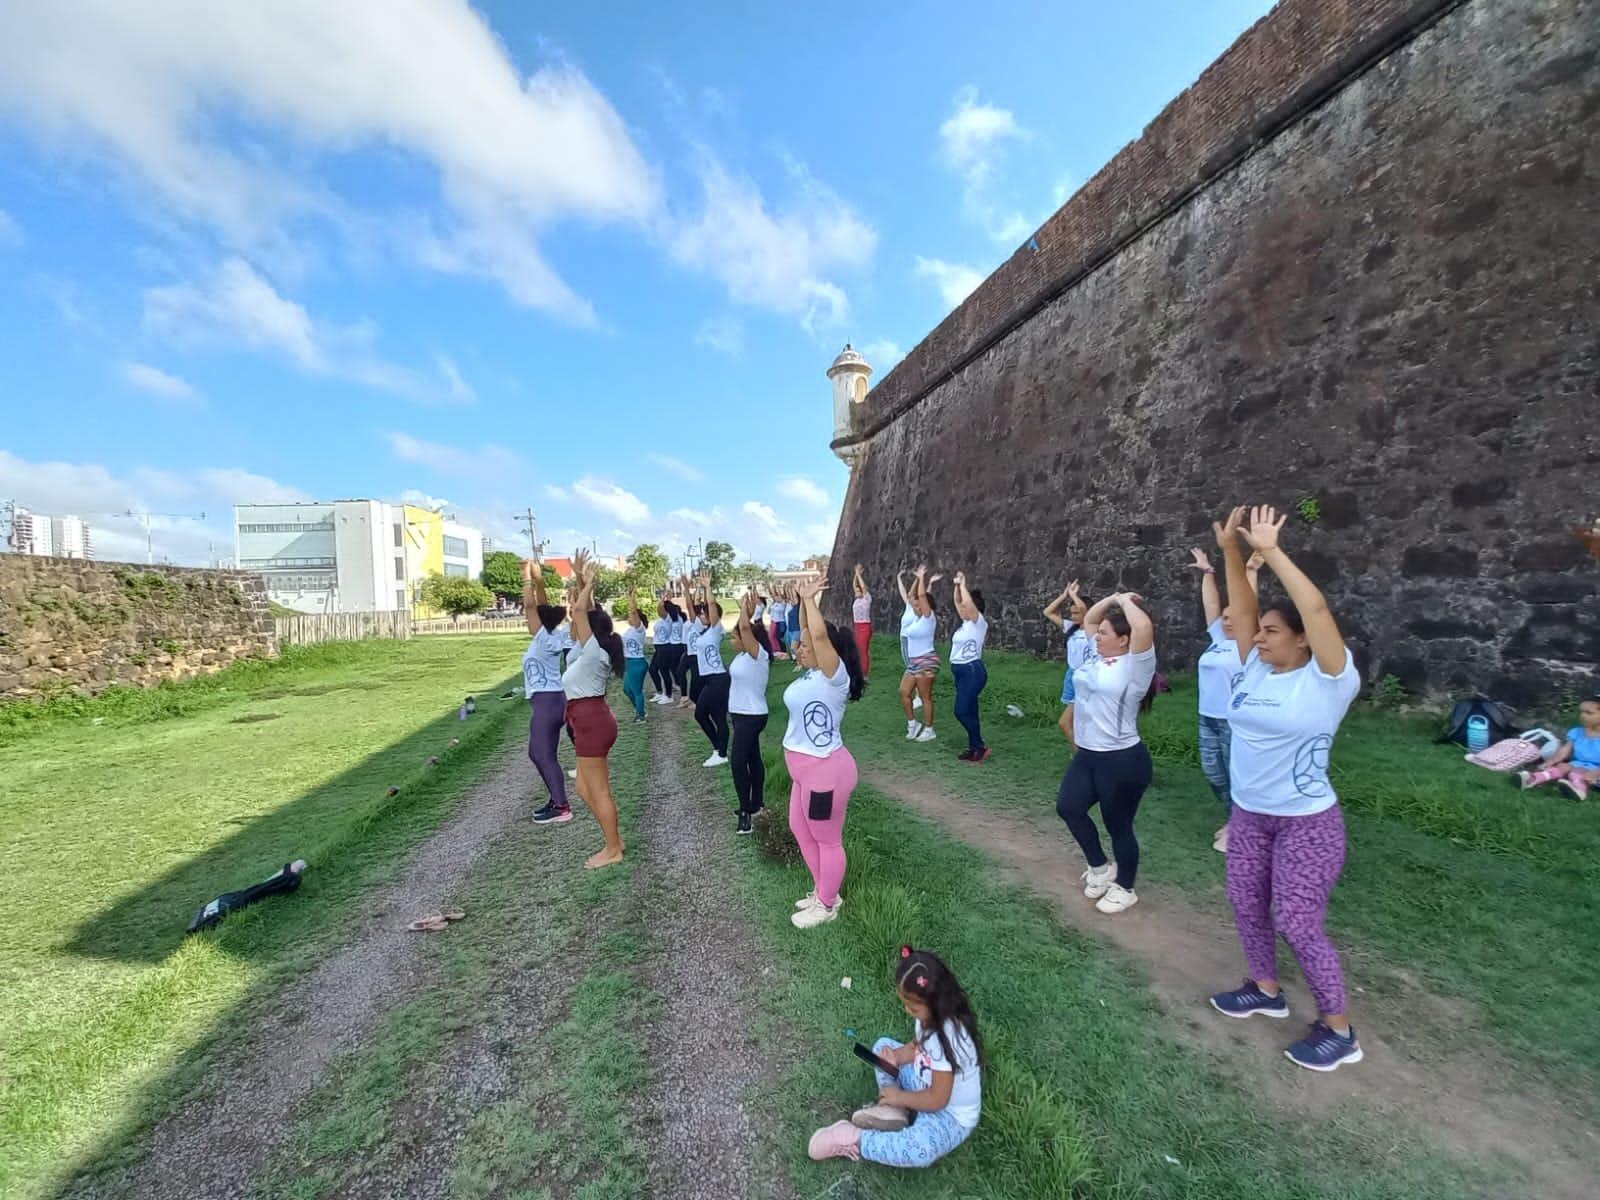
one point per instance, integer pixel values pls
(810, 589)
(1074, 593)
(1231, 528)
(527, 570)
(1202, 561)
(1255, 562)
(935, 579)
(961, 579)
(1265, 525)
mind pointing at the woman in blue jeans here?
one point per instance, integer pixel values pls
(1218, 668)
(966, 661)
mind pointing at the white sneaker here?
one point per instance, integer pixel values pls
(1219, 840)
(572, 774)
(911, 730)
(661, 698)
(1098, 880)
(916, 702)
(1117, 899)
(809, 900)
(817, 914)
(926, 734)
(716, 760)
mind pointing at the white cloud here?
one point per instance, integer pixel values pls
(91, 491)
(778, 261)
(678, 467)
(806, 492)
(558, 493)
(422, 499)
(10, 231)
(721, 333)
(460, 390)
(604, 496)
(973, 143)
(485, 462)
(150, 86)
(882, 354)
(158, 383)
(955, 281)
(692, 516)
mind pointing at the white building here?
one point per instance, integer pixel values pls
(352, 555)
(46, 536)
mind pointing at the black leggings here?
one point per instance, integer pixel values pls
(1115, 780)
(682, 667)
(749, 771)
(660, 672)
(711, 709)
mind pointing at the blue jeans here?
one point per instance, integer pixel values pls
(971, 679)
(922, 1143)
(1215, 745)
(633, 684)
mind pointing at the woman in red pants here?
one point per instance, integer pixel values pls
(861, 614)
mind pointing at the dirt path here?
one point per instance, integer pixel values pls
(215, 1144)
(703, 1142)
(1457, 1101)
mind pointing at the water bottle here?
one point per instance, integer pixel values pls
(471, 706)
(1477, 733)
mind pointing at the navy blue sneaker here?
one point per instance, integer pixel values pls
(1324, 1050)
(1249, 1000)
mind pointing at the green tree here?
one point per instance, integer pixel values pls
(553, 587)
(647, 570)
(718, 562)
(609, 584)
(747, 573)
(455, 594)
(502, 574)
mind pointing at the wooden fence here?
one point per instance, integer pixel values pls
(352, 627)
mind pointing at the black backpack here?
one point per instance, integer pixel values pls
(1497, 714)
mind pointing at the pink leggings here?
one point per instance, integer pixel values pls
(817, 804)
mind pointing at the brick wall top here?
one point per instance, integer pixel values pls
(1293, 58)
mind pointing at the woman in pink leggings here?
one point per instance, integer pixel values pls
(1285, 834)
(824, 774)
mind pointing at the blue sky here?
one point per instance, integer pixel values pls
(589, 258)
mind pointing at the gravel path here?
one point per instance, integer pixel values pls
(703, 1142)
(213, 1146)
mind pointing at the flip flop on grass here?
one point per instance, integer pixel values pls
(453, 914)
(431, 924)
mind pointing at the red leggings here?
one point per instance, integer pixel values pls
(864, 645)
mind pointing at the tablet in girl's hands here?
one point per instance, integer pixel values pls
(873, 1060)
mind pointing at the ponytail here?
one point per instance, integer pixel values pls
(601, 628)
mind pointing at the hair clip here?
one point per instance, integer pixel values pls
(922, 981)
(905, 951)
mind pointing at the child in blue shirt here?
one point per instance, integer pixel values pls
(1576, 765)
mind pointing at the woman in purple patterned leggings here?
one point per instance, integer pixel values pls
(1285, 832)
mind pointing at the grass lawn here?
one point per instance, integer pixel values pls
(1485, 893)
(118, 822)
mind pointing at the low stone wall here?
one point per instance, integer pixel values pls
(67, 625)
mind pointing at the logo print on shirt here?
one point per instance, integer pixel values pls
(1311, 766)
(816, 719)
(713, 656)
(964, 651)
(1239, 697)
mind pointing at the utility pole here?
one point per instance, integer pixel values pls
(144, 519)
(527, 518)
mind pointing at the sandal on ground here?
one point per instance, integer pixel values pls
(433, 924)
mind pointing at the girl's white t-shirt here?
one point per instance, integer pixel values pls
(861, 608)
(661, 632)
(1219, 669)
(966, 1094)
(676, 631)
(816, 712)
(541, 664)
(967, 645)
(708, 651)
(917, 632)
(1079, 647)
(1282, 725)
(633, 641)
(691, 637)
(747, 683)
(588, 670)
(1105, 715)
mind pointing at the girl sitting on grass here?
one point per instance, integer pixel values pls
(934, 1102)
(1576, 766)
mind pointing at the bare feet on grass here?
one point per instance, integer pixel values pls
(605, 858)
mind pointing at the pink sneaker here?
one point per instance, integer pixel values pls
(839, 1140)
(1578, 787)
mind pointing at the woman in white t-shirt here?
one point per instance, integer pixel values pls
(541, 683)
(1217, 668)
(1111, 766)
(661, 654)
(823, 771)
(1071, 627)
(938, 1076)
(918, 627)
(595, 656)
(747, 710)
(633, 654)
(1285, 834)
(966, 664)
(861, 618)
(711, 678)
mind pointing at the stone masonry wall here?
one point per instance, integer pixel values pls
(1387, 310)
(67, 625)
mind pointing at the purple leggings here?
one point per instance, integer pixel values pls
(1282, 870)
(544, 736)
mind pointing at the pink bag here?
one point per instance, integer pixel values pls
(1511, 754)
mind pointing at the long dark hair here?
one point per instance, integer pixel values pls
(844, 645)
(923, 974)
(674, 613)
(977, 599)
(601, 627)
(551, 615)
(1118, 620)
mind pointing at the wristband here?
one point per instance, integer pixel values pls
(1208, 570)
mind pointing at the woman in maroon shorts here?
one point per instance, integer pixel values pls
(596, 656)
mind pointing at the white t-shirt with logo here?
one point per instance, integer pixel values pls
(691, 637)
(967, 645)
(747, 687)
(633, 642)
(966, 1093)
(675, 633)
(1219, 669)
(541, 664)
(916, 633)
(1105, 715)
(708, 651)
(661, 632)
(1079, 647)
(816, 712)
(588, 670)
(1283, 725)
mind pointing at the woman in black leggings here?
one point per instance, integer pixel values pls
(747, 709)
(1111, 767)
(710, 686)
